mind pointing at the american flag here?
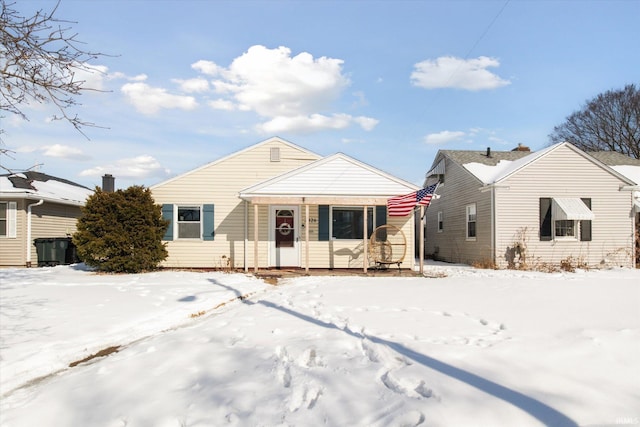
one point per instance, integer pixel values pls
(403, 205)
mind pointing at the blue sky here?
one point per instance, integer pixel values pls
(387, 82)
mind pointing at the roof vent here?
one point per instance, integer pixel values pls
(488, 151)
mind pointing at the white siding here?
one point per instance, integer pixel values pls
(459, 189)
(565, 173)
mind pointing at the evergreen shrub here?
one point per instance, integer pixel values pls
(121, 231)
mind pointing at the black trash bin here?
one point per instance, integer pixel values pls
(55, 251)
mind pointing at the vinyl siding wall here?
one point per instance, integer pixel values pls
(350, 253)
(459, 190)
(12, 250)
(565, 173)
(219, 184)
(47, 220)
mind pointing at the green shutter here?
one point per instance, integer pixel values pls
(381, 215)
(208, 228)
(545, 219)
(323, 223)
(167, 214)
(585, 225)
(381, 219)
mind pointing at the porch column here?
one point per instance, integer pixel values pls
(365, 239)
(306, 238)
(255, 238)
(421, 243)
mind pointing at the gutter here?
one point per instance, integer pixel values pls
(28, 243)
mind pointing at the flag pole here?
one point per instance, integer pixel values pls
(421, 234)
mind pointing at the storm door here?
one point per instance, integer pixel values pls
(284, 236)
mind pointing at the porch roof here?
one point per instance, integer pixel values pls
(336, 180)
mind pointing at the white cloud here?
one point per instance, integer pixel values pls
(139, 167)
(452, 72)
(367, 123)
(443, 137)
(64, 152)
(222, 104)
(291, 92)
(206, 67)
(93, 76)
(314, 122)
(193, 85)
(149, 100)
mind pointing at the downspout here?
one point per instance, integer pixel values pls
(493, 225)
(246, 235)
(40, 202)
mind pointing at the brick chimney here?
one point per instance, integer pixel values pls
(521, 147)
(108, 183)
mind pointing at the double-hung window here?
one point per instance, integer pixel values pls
(8, 219)
(4, 215)
(189, 224)
(440, 222)
(471, 221)
(348, 222)
(189, 221)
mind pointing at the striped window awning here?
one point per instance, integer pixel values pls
(571, 209)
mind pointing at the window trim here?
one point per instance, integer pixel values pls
(10, 229)
(177, 221)
(468, 221)
(570, 238)
(440, 222)
(370, 224)
(582, 229)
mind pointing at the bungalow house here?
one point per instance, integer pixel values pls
(517, 207)
(275, 205)
(35, 205)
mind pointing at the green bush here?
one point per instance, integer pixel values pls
(121, 231)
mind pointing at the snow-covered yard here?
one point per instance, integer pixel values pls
(474, 348)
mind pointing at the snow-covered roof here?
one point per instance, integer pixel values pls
(491, 173)
(37, 185)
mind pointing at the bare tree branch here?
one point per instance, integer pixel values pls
(39, 60)
(609, 122)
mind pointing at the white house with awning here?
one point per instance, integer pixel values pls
(519, 207)
(278, 205)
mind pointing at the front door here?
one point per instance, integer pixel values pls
(284, 237)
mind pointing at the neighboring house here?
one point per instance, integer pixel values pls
(274, 205)
(630, 168)
(35, 205)
(517, 207)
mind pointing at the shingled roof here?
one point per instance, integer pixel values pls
(613, 158)
(467, 156)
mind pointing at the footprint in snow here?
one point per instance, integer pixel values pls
(406, 386)
(305, 396)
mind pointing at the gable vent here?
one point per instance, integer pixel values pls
(275, 154)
